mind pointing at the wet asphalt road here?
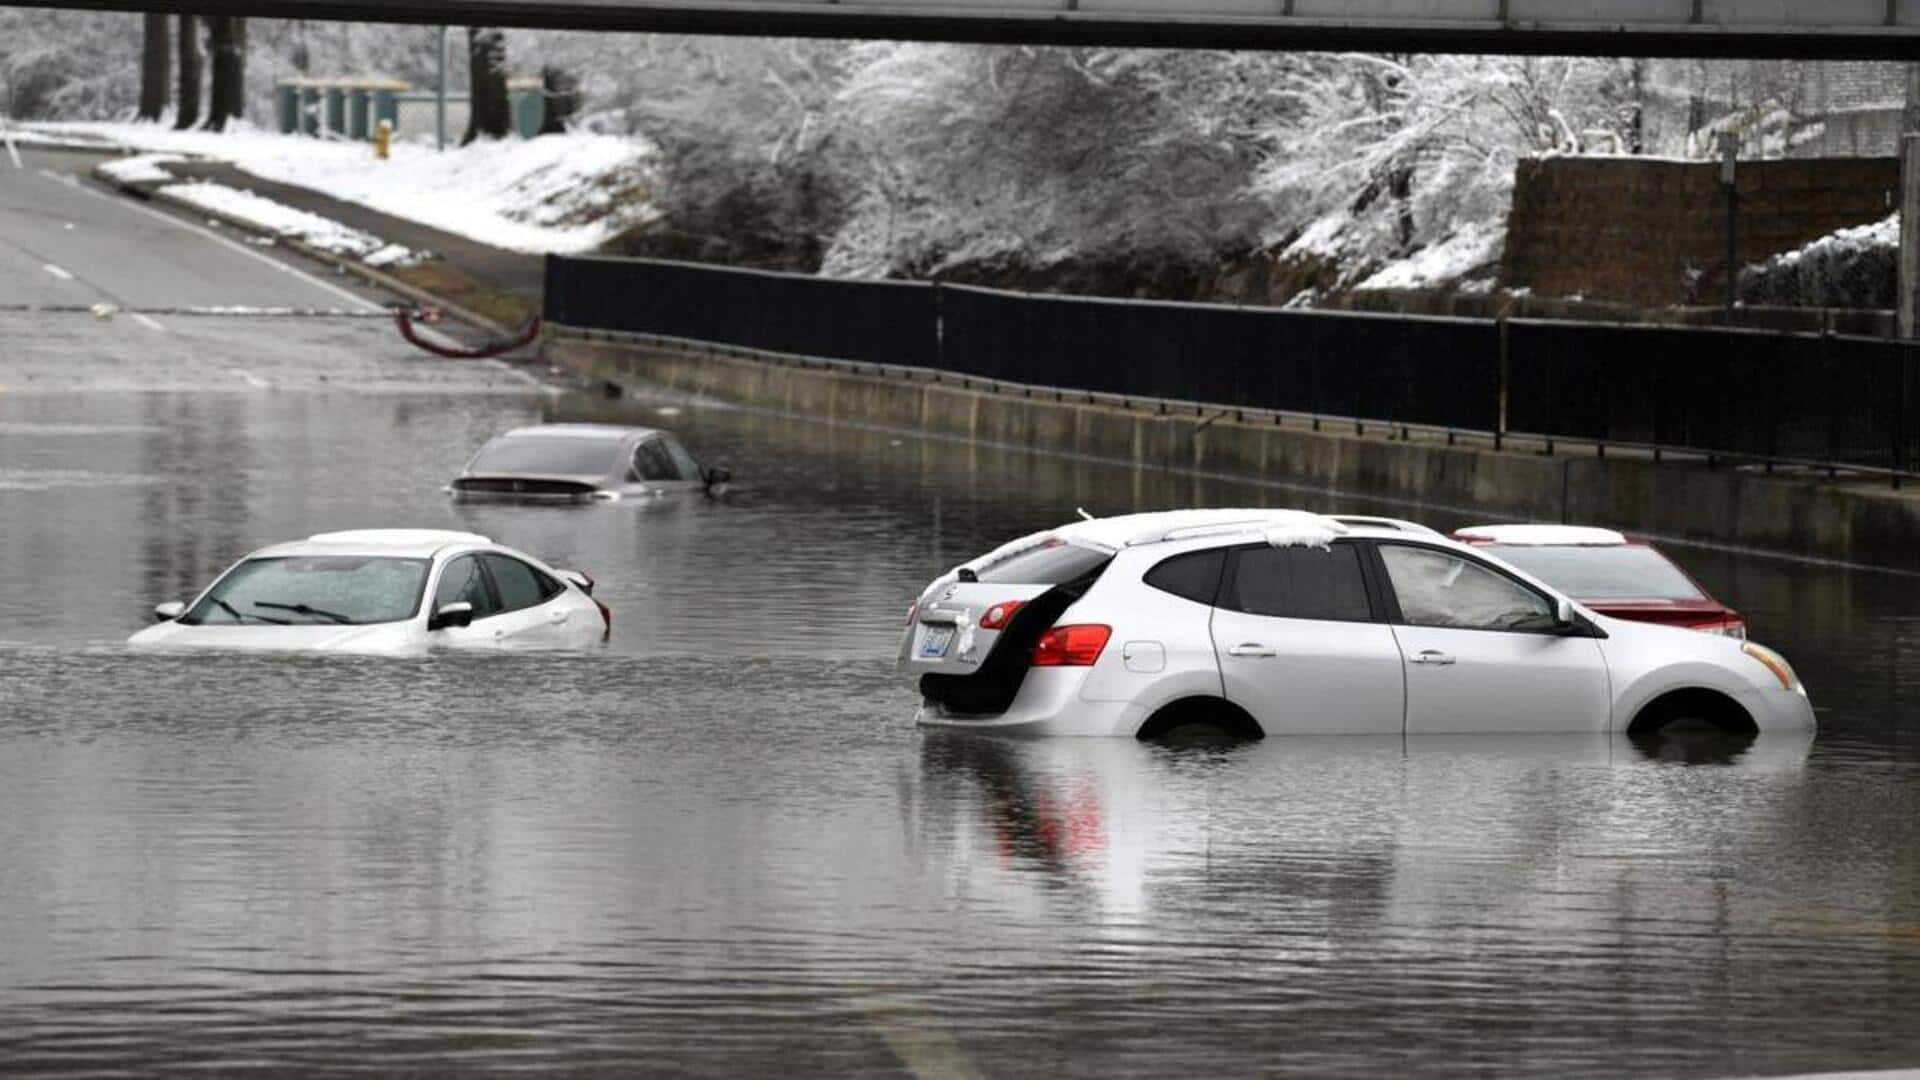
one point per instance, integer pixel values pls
(716, 845)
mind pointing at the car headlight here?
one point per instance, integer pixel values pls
(1774, 663)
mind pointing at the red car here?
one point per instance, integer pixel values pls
(1614, 574)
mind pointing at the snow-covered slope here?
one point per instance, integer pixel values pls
(556, 193)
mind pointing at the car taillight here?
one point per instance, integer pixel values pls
(1000, 614)
(606, 617)
(1070, 646)
(1733, 628)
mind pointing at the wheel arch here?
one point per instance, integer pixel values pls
(1709, 703)
(1200, 708)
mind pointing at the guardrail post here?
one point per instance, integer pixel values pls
(939, 329)
(1902, 358)
(1500, 423)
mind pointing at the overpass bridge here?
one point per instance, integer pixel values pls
(1807, 29)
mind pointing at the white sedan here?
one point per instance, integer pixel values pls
(385, 591)
(1268, 622)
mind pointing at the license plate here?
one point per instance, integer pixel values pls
(937, 641)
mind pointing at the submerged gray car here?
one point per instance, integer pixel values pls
(574, 463)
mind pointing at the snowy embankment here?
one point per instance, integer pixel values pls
(560, 194)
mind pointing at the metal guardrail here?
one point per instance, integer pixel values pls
(1815, 404)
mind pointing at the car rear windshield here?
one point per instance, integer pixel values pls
(1628, 572)
(314, 590)
(1054, 562)
(536, 456)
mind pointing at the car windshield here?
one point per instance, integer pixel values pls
(1625, 572)
(1054, 562)
(344, 590)
(536, 455)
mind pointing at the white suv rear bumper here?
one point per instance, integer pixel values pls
(1049, 703)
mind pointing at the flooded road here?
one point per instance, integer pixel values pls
(717, 846)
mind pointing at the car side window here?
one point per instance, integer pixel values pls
(651, 461)
(683, 461)
(1299, 583)
(461, 580)
(1442, 589)
(1194, 576)
(520, 585)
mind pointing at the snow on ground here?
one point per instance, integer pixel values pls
(140, 169)
(1475, 247)
(323, 233)
(556, 193)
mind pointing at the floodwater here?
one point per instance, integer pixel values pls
(717, 846)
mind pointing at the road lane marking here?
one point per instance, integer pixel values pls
(250, 378)
(57, 272)
(358, 301)
(146, 321)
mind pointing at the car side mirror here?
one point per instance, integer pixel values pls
(169, 611)
(1563, 615)
(459, 613)
(718, 475)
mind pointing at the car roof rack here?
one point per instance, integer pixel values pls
(1363, 521)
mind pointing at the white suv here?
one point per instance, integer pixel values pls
(1269, 622)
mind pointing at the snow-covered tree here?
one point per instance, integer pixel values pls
(1389, 154)
(749, 169)
(68, 64)
(980, 156)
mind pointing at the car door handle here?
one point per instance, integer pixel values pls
(1434, 658)
(1252, 651)
(557, 617)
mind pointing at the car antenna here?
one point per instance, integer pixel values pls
(1084, 516)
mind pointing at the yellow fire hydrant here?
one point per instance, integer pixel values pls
(382, 139)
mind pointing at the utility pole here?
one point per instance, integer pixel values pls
(440, 94)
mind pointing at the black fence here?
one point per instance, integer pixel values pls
(1825, 400)
(882, 322)
(1438, 372)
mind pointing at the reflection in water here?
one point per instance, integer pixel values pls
(717, 846)
(1694, 746)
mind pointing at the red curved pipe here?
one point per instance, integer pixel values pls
(404, 318)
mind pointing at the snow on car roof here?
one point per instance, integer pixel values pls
(580, 431)
(1282, 527)
(1543, 535)
(434, 538)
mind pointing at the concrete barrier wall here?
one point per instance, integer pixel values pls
(1862, 524)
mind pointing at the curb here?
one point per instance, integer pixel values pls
(155, 191)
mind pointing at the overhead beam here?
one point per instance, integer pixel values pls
(1783, 29)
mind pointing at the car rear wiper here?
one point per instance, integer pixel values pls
(302, 609)
(240, 616)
